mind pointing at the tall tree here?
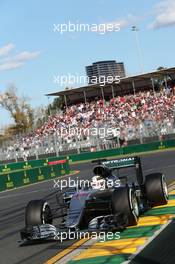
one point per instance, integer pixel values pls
(18, 108)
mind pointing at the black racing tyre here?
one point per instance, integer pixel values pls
(124, 201)
(156, 189)
(38, 212)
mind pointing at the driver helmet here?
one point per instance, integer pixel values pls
(98, 183)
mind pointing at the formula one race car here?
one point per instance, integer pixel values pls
(113, 201)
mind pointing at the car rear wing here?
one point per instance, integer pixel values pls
(118, 163)
(121, 163)
(105, 167)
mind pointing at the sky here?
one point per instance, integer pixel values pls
(34, 51)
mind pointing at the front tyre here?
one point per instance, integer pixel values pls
(124, 201)
(38, 212)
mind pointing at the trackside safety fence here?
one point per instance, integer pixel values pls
(23, 173)
(15, 175)
(159, 145)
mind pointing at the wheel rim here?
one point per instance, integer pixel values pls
(164, 187)
(134, 204)
(135, 207)
(46, 214)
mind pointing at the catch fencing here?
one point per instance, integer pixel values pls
(54, 145)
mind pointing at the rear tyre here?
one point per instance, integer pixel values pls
(156, 189)
(38, 212)
(124, 201)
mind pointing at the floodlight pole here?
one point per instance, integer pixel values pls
(139, 51)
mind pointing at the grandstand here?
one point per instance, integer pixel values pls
(139, 109)
(127, 85)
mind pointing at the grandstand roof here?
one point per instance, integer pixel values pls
(141, 81)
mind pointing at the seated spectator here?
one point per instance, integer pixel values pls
(139, 115)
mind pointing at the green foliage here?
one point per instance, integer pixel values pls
(19, 109)
(56, 105)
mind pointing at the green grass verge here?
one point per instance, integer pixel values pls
(113, 259)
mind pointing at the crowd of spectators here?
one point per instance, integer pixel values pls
(128, 117)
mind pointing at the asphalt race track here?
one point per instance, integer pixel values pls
(12, 206)
(158, 251)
